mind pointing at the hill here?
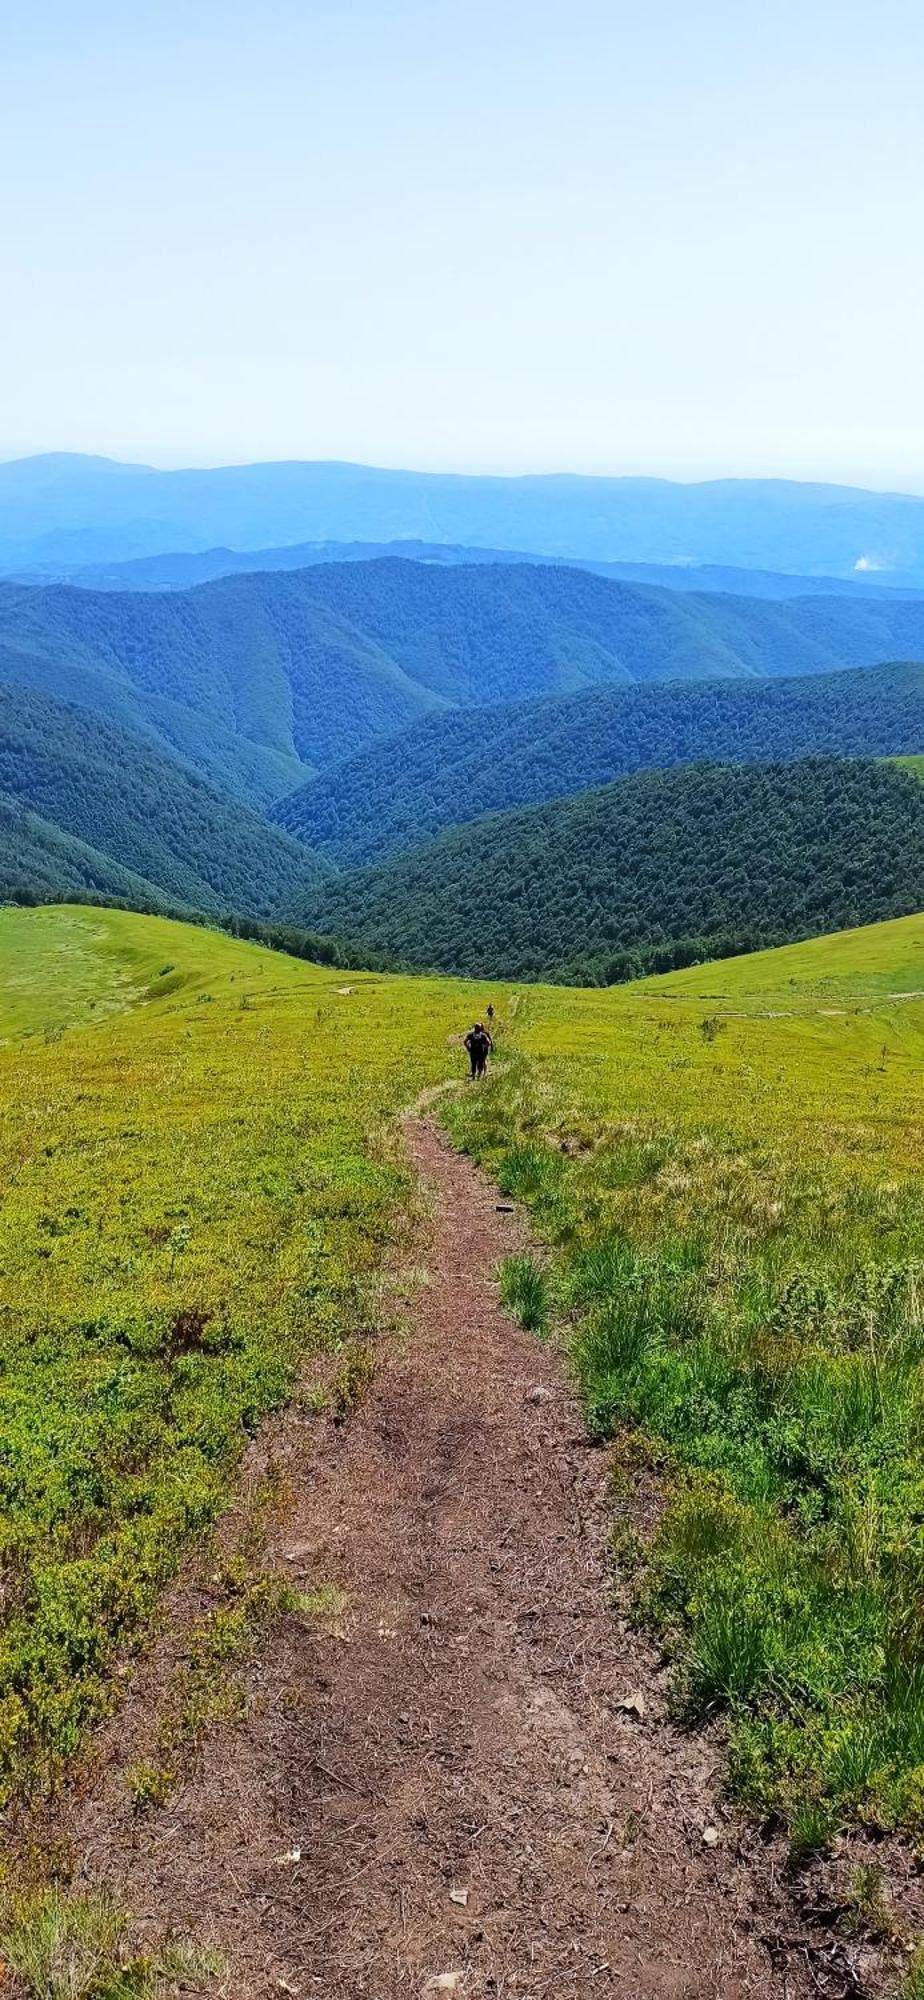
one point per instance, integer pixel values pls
(257, 681)
(658, 869)
(66, 509)
(180, 571)
(725, 1163)
(449, 768)
(154, 827)
(41, 864)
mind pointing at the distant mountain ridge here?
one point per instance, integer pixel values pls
(179, 571)
(63, 508)
(258, 682)
(448, 768)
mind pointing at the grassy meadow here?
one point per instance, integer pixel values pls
(195, 1198)
(197, 1192)
(726, 1163)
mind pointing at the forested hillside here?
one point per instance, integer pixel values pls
(448, 768)
(40, 864)
(655, 870)
(257, 681)
(146, 817)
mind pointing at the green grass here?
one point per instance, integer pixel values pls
(197, 1191)
(63, 966)
(195, 1196)
(524, 1292)
(727, 1162)
(71, 1947)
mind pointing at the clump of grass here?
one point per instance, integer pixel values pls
(149, 1784)
(524, 1290)
(326, 1604)
(68, 1947)
(868, 1908)
(811, 1829)
(65, 1947)
(353, 1379)
(912, 1986)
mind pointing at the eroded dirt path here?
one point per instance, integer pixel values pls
(454, 1769)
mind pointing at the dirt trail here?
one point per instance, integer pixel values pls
(454, 1769)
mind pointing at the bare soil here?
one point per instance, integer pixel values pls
(468, 1783)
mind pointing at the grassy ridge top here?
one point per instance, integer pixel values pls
(727, 1166)
(817, 1046)
(195, 1202)
(198, 1197)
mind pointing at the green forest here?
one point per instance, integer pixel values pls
(259, 681)
(40, 864)
(150, 820)
(451, 767)
(661, 869)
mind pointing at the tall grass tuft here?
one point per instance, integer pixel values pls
(524, 1290)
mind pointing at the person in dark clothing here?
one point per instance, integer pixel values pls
(490, 1015)
(479, 1045)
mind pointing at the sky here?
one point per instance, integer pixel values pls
(681, 238)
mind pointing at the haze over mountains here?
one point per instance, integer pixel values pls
(174, 571)
(66, 509)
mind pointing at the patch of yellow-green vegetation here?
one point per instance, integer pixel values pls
(193, 1199)
(62, 1946)
(62, 966)
(727, 1162)
(206, 1688)
(913, 764)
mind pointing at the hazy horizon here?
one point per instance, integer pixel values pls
(233, 464)
(677, 246)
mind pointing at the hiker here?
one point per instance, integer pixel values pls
(479, 1045)
(490, 1014)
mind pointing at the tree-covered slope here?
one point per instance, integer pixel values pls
(449, 768)
(40, 864)
(487, 634)
(140, 811)
(257, 681)
(654, 870)
(250, 680)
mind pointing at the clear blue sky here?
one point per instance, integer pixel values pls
(678, 237)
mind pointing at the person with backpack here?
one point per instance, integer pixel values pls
(479, 1045)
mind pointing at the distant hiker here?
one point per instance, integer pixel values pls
(490, 1014)
(479, 1045)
